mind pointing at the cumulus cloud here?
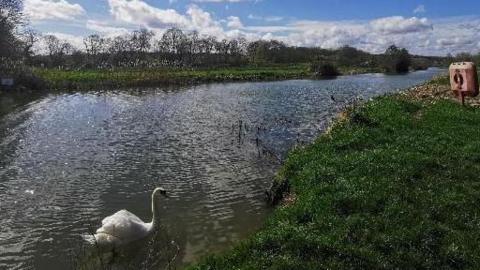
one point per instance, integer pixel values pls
(220, 1)
(75, 40)
(141, 13)
(41, 10)
(234, 22)
(400, 25)
(418, 35)
(105, 28)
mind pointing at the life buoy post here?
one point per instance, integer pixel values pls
(464, 80)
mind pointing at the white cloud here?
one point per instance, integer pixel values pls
(42, 10)
(420, 9)
(400, 25)
(418, 35)
(234, 22)
(220, 1)
(203, 22)
(266, 18)
(105, 28)
(75, 40)
(140, 13)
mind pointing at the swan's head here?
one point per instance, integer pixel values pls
(159, 191)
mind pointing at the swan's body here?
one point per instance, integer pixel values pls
(124, 227)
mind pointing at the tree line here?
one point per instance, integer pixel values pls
(179, 49)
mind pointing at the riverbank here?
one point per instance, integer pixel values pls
(101, 79)
(393, 185)
(88, 79)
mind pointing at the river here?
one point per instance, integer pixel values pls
(70, 159)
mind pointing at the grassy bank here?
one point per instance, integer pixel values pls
(395, 185)
(103, 78)
(87, 79)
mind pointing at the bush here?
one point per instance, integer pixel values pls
(22, 75)
(324, 69)
(420, 64)
(396, 60)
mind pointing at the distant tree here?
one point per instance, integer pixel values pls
(396, 60)
(420, 63)
(476, 58)
(464, 56)
(94, 44)
(173, 41)
(141, 40)
(96, 47)
(348, 56)
(256, 52)
(119, 51)
(29, 38)
(323, 69)
(58, 50)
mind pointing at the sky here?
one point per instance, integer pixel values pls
(428, 27)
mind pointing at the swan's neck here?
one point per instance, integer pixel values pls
(155, 215)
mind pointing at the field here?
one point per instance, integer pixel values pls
(393, 185)
(103, 78)
(87, 79)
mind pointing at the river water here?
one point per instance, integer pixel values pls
(70, 159)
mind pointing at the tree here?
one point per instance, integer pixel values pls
(118, 50)
(141, 40)
(349, 56)
(96, 47)
(396, 60)
(464, 56)
(57, 50)
(94, 44)
(29, 38)
(323, 69)
(173, 41)
(10, 20)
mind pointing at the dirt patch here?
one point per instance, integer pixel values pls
(431, 92)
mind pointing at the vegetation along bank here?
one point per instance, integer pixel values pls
(393, 185)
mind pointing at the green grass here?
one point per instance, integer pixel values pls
(86, 79)
(395, 186)
(131, 77)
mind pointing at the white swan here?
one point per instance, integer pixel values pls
(124, 227)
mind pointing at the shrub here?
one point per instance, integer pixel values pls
(22, 75)
(396, 60)
(323, 69)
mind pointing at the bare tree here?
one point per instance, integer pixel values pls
(94, 44)
(141, 40)
(57, 50)
(173, 41)
(29, 38)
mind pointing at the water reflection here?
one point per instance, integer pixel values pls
(69, 160)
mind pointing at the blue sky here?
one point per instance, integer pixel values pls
(427, 27)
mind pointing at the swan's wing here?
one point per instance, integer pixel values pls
(124, 226)
(122, 214)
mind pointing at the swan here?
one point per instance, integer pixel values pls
(124, 227)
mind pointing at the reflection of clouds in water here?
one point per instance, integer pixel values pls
(86, 156)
